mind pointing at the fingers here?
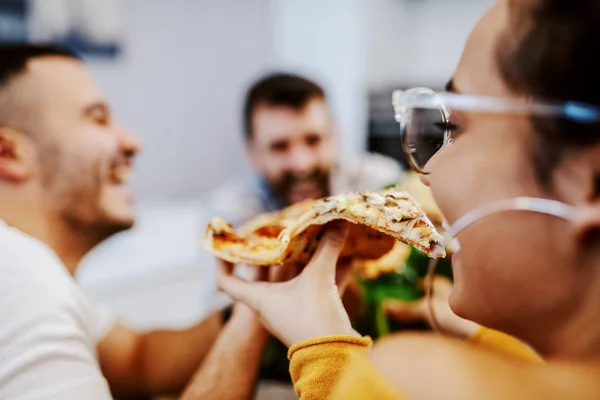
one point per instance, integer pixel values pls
(242, 291)
(283, 273)
(294, 270)
(406, 311)
(225, 267)
(261, 274)
(254, 273)
(343, 275)
(279, 273)
(330, 248)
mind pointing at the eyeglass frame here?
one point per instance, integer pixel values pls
(574, 111)
(403, 100)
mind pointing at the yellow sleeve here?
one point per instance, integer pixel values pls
(504, 344)
(334, 367)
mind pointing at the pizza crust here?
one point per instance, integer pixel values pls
(412, 184)
(292, 235)
(392, 261)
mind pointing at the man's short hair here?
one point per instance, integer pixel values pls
(14, 58)
(13, 63)
(279, 89)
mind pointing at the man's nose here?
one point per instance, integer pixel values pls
(129, 143)
(302, 159)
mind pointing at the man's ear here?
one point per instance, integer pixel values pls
(13, 163)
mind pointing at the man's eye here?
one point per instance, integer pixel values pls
(101, 119)
(279, 147)
(313, 140)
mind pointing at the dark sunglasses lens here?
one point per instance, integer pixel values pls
(424, 133)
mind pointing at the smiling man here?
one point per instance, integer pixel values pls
(293, 147)
(64, 163)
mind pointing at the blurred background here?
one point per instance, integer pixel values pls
(175, 73)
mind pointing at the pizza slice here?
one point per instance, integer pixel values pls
(378, 220)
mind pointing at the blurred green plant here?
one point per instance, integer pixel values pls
(402, 284)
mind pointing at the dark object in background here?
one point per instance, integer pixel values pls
(13, 21)
(383, 134)
(78, 43)
(275, 365)
(15, 27)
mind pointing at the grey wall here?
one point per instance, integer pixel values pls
(418, 41)
(178, 85)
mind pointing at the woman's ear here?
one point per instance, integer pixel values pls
(586, 220)
(14, 165)
(586, 217)
(577, 181)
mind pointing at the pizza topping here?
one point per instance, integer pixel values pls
(292, 235)
(270, 231)
(376, 199)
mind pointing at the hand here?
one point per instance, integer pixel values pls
(420, 310)
(307, 306)
(241, 314)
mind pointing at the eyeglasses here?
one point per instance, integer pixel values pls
(424, 117)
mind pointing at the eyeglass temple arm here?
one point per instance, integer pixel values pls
(573, 110)
(543, 206)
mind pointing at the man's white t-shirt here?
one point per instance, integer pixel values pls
(48, 329)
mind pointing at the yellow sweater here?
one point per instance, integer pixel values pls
(317, 365)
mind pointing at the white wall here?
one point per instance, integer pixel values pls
(418, 41)
(325, 40)
(178, 85)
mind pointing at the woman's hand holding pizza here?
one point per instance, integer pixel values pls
(306, 306)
